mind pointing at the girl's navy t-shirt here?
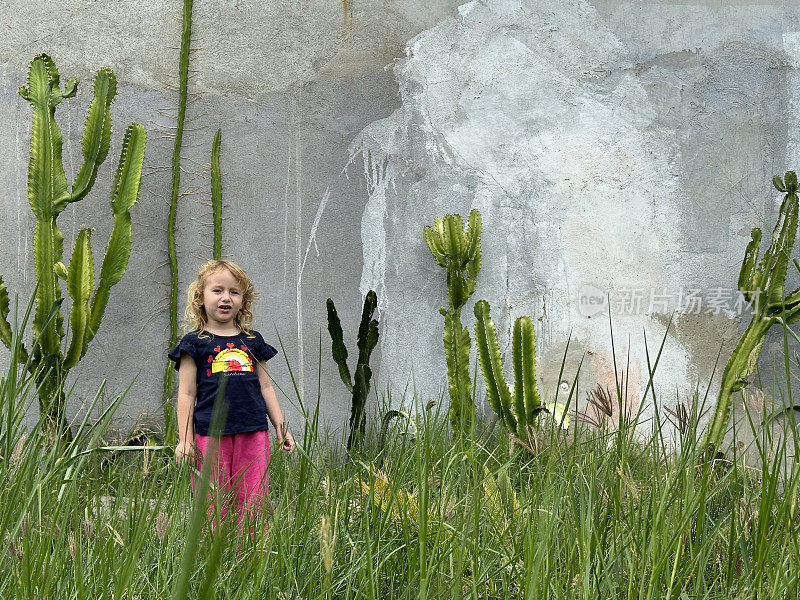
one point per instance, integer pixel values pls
(234, 357)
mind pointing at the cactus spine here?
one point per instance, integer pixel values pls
(459, 252)
(517, 412)
(763, 287)
(359, 385)
(49, 195)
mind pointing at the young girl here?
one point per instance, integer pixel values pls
(220, 343)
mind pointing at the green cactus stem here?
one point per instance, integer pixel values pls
(170, 427)
(516, 412)
(6, 333)
(763, 287)
(459, 252)
(360, 384)
(216, 195)
(49, 195)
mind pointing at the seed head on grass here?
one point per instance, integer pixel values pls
(13, 549)
(18, 448)
(603, 402)
(88, 528)
(681, 417)
(162, 524)
(327, 542)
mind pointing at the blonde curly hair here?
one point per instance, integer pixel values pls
(195, 318)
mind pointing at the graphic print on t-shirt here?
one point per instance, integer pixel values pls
(230, 359)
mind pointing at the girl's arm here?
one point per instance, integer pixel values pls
(273, 408)
(187, 394)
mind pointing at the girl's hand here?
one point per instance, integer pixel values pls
(184, 451)
(285, 440)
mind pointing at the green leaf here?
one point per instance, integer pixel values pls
(48, 294)
(432, 241)
(439, 235)
(492, 366)
(474, 234)
(458, 288)
(790, 179)
(359, 402)
(96, 140)
(80, 276)
(780, 248)
(474, 264)
(46, 180)
(748, 278)
(80, 283)
(456, 345)
(216, 195)
(124, 194)
(526, 395)
(5, 307)
(368, 328)
(338, 347)
(453, 234)
(128, 177)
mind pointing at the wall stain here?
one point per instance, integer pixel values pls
(347, 19)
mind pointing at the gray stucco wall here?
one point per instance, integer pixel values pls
(610, 146)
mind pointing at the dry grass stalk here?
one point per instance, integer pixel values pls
(327, 542)
(681, 417)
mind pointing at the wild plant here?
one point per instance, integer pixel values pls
(357, 385)
(170, 419)
(602, 402)
(216, 195)
(459, 252)
(49, 195)
(580, 520)
(763, 287)
(520, 413)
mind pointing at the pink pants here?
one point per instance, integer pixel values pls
(239, 472)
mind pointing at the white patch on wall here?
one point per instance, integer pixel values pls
(791, 43)
(376, 144)
(529, 112)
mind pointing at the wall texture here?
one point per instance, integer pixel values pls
(620, 148)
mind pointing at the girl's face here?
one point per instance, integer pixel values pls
(222, 299)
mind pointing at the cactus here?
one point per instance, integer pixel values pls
(763, 287)
(459, 252)
(6, 333)
(216, 195)
(518, 413)
(359, 385)
(49, 195)
(170, 427)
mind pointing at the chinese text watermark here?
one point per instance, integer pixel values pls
(593, 300)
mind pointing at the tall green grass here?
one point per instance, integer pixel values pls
(596, 513)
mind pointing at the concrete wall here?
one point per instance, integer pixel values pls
(611, 147)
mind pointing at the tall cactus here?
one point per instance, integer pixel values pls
(49, 195)
(170, 418)
(518, 413)
(216, 195)
(359, 385)
(763, 287)
(459, 252)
